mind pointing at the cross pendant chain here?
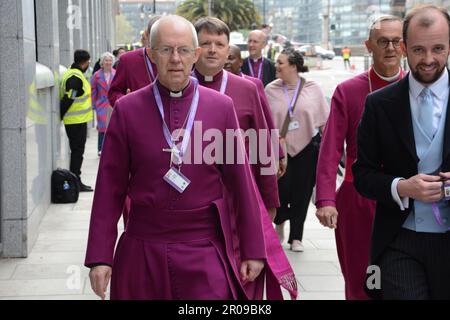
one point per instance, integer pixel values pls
(174, 156)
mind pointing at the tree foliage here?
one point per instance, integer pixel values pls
(124, 31)
(237, 14)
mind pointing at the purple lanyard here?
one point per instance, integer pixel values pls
(294, 98)
(148, 64)
(250, 67)
(190, 122)
(224, 84)
(437, 215)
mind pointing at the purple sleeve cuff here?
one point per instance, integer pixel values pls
(325, 203)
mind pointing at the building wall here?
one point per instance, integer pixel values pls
(37, 37)
(351, 20)
(298, 20)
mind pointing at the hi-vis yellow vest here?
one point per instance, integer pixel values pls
(81, 109)
(36, 111)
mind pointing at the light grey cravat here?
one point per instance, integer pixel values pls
(426, 112)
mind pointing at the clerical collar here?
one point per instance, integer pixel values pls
(256, 60)
(210, 79)
(178, 94)
(187, 91)
(389, 79)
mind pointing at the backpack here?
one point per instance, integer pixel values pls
(65, 187)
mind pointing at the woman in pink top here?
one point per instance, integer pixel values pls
(308, 112)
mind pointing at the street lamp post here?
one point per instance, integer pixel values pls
(154, 6)
(326, 26)
(264, 11)
(209, 7)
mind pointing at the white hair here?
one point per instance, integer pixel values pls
(376, 24)
(175, 18)
(106, 55)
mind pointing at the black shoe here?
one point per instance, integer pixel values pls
(83, 187)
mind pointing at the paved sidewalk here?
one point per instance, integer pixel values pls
(54, 268)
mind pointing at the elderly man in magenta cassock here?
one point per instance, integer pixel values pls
(354, 222)
(179, 241)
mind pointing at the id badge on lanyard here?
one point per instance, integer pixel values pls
(294, 124)
(177, 180)
(174, 177)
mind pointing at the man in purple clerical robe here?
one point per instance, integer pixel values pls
(213, 35)
(178, 244)
(354, 227)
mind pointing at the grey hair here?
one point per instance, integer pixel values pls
(106, 55)
(155, 28)
(376, 24)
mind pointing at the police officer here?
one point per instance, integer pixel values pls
(76, 110)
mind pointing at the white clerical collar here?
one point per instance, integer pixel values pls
(256, 60)
(439, 87)
(178, 94)
(389, 79)
(208, 78)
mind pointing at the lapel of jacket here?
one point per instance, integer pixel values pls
(265, 71)
(244, 67)
(398, 109)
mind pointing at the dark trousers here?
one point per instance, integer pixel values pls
(416, 266)
(101, 137)
(77, 134)
(347, 63)
(295, 189)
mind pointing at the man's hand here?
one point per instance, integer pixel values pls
(327, 216)
(282, 167)
(99, 277)
(282, 163)
(421, 187)
(445, 175)
(250, 269)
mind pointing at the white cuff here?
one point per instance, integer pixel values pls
(403, 203)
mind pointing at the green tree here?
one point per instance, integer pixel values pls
(237, 14)
(124, 31)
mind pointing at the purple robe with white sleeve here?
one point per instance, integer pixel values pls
(176, 245)
(356, 213)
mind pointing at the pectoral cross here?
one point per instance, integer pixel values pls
(174, 155)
